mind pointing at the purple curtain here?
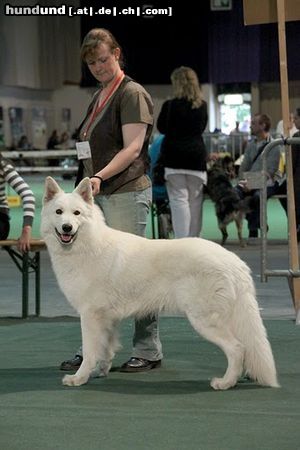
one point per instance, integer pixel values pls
(239, 53)
(234, 49)
(216, 44)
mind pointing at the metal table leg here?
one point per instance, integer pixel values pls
(25, 284)
(37, 284)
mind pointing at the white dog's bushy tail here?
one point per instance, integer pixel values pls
(259, 362)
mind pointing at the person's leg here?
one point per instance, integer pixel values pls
(272, 190)
(195, 189)
(4, 226)
(146, 342)
(281, 190)
(128, 212)
(179, 203)
(253, 217)
(297, 206)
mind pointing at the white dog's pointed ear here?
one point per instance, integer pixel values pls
(51, 189)
(84, 189)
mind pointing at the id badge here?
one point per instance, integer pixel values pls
(83, 150)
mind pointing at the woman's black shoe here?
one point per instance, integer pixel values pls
(139, 365)
(72, 364)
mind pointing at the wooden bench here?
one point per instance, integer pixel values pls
(27, 263)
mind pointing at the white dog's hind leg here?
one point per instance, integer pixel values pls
(234, 352)
(95, 345)
(232, 348)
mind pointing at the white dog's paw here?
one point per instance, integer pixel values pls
(219, 384)
(73, 380)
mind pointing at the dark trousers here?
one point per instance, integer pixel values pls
(4, 225)
(283, 201)
(253, 217)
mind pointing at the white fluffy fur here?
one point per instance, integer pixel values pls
(108, 275)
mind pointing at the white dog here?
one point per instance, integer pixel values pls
(108, 275)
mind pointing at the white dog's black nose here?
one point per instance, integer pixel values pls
(67, 228)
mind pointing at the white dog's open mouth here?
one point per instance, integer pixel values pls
(66, 238)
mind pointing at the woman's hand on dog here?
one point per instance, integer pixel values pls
(95, 182)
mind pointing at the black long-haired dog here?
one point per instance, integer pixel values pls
(228, 204)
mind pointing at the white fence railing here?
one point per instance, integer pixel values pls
(32, 161)
(219, 142)
(24, 154)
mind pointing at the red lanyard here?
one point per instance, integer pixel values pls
(99, 108)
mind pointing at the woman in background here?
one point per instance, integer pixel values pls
(9, 175)
(182, 120)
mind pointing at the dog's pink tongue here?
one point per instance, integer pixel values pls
(66, 237)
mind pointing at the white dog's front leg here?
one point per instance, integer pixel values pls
(104, 366)
(80, 377)
(94, 346)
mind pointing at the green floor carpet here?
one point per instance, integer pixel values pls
(171, 408)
